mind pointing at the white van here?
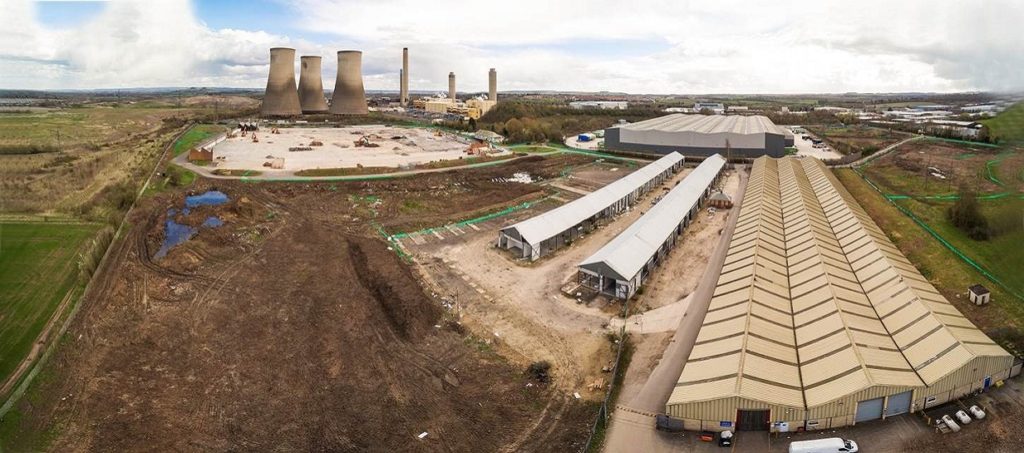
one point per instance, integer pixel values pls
(830, 445)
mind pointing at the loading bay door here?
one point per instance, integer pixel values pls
(869, 410)
(899, 404)
(756, 420)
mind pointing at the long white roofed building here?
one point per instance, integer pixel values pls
(619, 268)
(540, 235)
(819, 321)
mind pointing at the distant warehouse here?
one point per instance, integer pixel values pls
(701, 135)
(625, 263)
(819, 321)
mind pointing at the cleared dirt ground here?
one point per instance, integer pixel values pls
(291, 328)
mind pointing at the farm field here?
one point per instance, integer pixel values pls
(1008, 126)
(905, 180)
(38, 266)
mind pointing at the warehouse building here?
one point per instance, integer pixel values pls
(818, 320)
(540, 235)
(701, 135)
(619, 268)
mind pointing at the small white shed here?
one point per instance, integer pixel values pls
(979, 295)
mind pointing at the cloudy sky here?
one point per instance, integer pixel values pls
(637, 46)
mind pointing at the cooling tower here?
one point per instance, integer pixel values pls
(492, 85)
(281, 97)
(451, 85)
(311, 87)
(403, 95)
(349, 96)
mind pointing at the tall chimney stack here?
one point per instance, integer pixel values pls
(492, 85)
(401, 83)
(281, 98)
(451, 85)
(404, 94)
(349, 97)
(311, 87)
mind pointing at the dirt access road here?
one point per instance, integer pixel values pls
(291, 327)
(632, 427)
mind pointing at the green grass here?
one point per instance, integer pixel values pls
(194, 136)
(38, 266)
(1008, 126)
(942, 267)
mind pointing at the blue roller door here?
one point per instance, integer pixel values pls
(899, 404)
(869, 410)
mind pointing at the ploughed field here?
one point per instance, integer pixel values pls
(291, 326)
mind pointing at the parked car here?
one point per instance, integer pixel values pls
(950, 423)
(977, 412)
(963, 417)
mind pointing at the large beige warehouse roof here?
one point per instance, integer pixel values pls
(814, 303)
(707, 124)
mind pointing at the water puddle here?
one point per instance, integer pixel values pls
(176, 233)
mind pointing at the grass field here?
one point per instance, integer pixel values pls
(1008, 126)
(38, 266)
(1003, 319)
(196, 135)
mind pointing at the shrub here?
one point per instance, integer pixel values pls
(539, 371)
(965, 215)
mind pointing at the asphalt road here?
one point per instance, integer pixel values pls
(632, 427)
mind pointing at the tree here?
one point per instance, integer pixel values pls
(966, 215)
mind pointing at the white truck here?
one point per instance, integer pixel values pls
(830, 445)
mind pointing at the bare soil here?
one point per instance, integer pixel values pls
(291, 327)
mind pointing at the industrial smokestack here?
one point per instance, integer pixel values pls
(492, 85)
(401, 84)
(404, 95)
(311, 87)
(451, 85)
(349, 96)
(281, 98)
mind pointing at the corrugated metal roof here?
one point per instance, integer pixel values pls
(630, 250)
(708, 124)
(824, 304)
(549, 224)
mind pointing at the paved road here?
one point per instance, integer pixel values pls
(878, 154)
(632, 427)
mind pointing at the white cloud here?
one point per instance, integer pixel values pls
(675, 46)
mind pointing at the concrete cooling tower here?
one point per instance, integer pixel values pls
(451, 85)
(349, 96)
(311, 87)
(492, 85)
(281, 98)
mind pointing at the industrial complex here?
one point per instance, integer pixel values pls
(701, 135)
(619, 268)
(818, 321)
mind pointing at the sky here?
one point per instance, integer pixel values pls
(636, 46)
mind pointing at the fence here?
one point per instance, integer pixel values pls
(601, 421)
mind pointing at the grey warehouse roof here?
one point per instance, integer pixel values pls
(708, 124)
(549, 224)
(629, 251)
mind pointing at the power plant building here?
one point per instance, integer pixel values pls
(620, 267)
(701, 135)
(540, 235)
(818, 321)
(281, 98)
(349, 96)
(311, 87)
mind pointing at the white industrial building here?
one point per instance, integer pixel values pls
(619, 268)
(540, 235)
(603, 105)
(701, 135)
